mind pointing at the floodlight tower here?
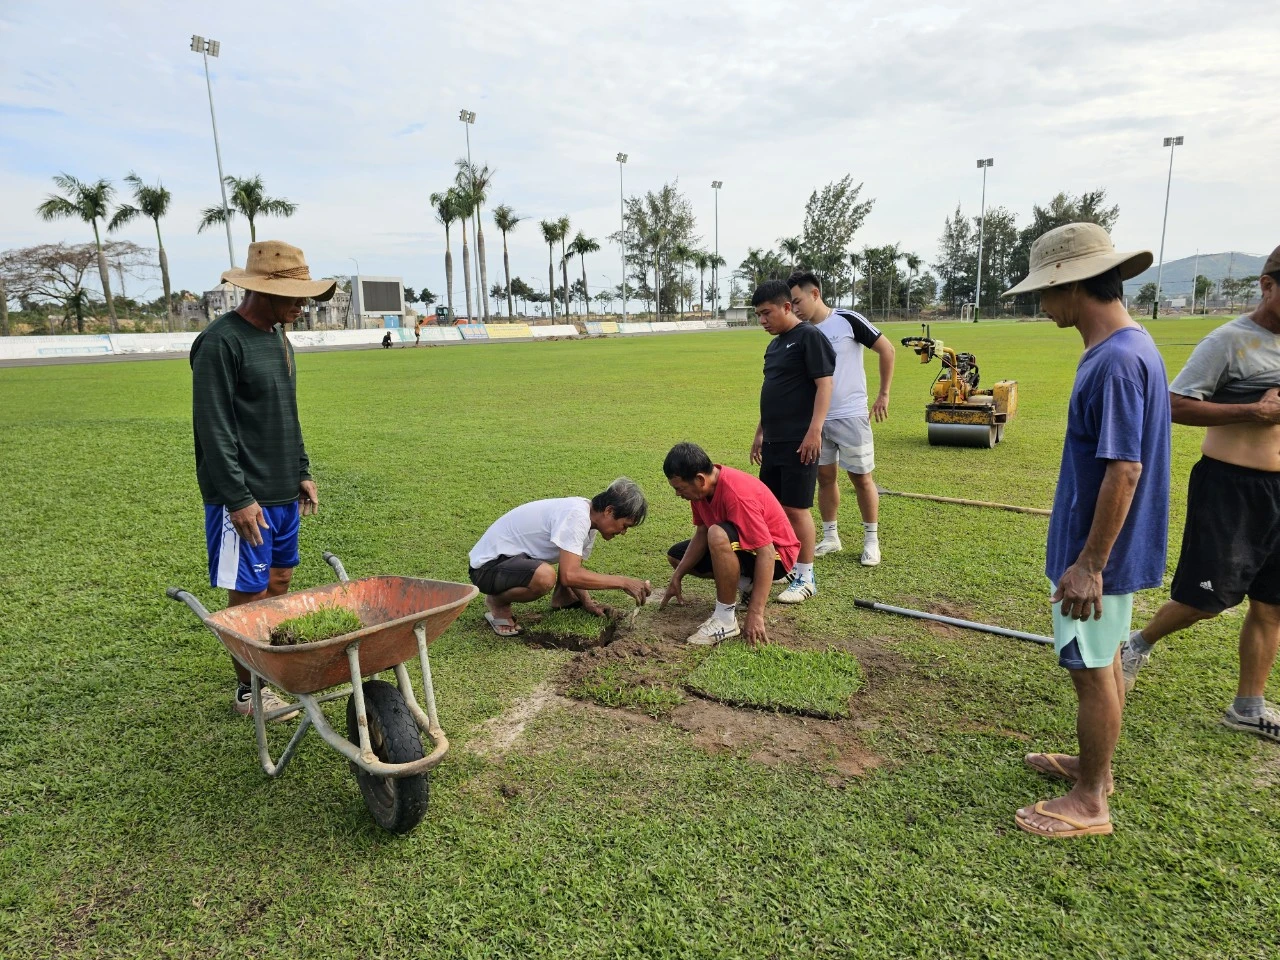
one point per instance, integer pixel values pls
(715, 269)
(982, 223)
(1171, 143)
(622, 235)
(468, 117)
(207, 49)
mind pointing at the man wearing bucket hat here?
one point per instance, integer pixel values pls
(1231, 541)
(251, 464)
(1109, 526)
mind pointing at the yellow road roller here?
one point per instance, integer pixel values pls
(961, 415)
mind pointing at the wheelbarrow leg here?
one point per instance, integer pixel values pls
(357, 695)
(260, 729)
(428, 722)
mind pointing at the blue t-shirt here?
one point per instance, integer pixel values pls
(1119, 411)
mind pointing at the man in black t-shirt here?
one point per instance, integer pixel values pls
(798, 366)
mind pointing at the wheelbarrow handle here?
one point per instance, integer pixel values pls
(334, 562)
(198, 608)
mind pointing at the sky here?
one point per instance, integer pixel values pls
(351, 111)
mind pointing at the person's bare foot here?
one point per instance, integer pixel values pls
(1077, 807)
(501, 617)
(1061, 765)
(563, 598)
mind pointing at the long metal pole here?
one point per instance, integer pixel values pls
(475, 228)
(622, 223)
(1155, 309)
(954, 622)
(222, 183)
(1195, 282)
(715, 270)
(982, 224)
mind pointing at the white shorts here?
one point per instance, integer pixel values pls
(849, 441)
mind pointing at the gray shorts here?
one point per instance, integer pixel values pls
(848, 441)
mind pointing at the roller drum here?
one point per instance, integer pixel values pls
(962, 435)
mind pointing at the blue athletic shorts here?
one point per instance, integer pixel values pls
(233, 564)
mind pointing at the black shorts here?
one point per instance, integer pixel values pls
(746, 558)
(1231, 543)
(502, 573)
(791, 481)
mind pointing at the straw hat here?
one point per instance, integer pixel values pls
(1075, 252)
(279, 269)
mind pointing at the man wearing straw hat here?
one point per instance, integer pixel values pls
(1109, 526)
(251, 464)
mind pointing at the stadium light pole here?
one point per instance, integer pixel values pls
(982, 223)
(715, 270)
(206, 49)
(468, 117)
(1171, 143)
(622, 235)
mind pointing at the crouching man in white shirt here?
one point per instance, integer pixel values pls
(516, 559)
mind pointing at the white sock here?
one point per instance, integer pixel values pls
(829, 530)
(744, 585)
(726, 613)
(870, 532)
(804, 571)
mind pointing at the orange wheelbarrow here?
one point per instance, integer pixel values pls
(402, 616)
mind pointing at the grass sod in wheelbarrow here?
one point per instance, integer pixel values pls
(323, 623)
(812, 683)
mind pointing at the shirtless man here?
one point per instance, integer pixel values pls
(1231, 544)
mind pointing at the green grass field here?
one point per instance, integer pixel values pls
(136, 822)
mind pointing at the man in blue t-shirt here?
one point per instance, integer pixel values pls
(1109, 527)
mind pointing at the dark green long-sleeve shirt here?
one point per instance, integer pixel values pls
(245, 412)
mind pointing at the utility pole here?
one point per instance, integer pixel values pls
(715, 268)
(207, 48)
(982, 224)
(1171, 143)
(622, 235)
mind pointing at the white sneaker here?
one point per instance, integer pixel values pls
(713, 631)
(828, 545)
(871, 554)
(1266, 726)
(799, 591)
(270, 701)
(1130, 662)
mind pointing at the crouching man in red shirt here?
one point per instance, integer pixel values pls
(741, 537)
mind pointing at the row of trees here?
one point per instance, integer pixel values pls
(94, 204)
(1230, 289)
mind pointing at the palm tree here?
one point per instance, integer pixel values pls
(913, 267)
(477, 180)
(505, 218)
(464, 203)
(580, 247)
(681, 254)
(701, 259)
(793, 247)
(89, 202)
(551, 233)
(152, 202)
(715, 262)
(562, 225)
(855, 262)
(246, 198)
(445, 215)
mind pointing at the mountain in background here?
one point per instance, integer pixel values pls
(1179, 274)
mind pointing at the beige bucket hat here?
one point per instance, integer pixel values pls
(1077, 251)
(279, 269)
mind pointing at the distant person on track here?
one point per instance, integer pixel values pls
(741, 538)
(386, 340)
(517, 558)
(846, 433)
(417, 333)
(1231, 542)
(1110, 520)
(251, 465)
(799, 364)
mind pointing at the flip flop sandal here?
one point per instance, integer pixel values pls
(1053, 768)
(1078, 829)
(496, 623)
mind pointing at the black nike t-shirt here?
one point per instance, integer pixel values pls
(792, 362)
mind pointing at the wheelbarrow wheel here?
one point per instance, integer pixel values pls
(397, 804)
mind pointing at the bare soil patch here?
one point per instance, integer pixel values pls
(497, 735)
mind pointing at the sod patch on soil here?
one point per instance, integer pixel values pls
(323, 623)
(811, 683)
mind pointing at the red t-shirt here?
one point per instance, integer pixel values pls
(751, 507)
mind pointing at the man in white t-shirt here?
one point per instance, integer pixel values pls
(516, 559)
(846, 434)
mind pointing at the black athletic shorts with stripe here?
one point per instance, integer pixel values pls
(746, 558)
(1231, 543)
